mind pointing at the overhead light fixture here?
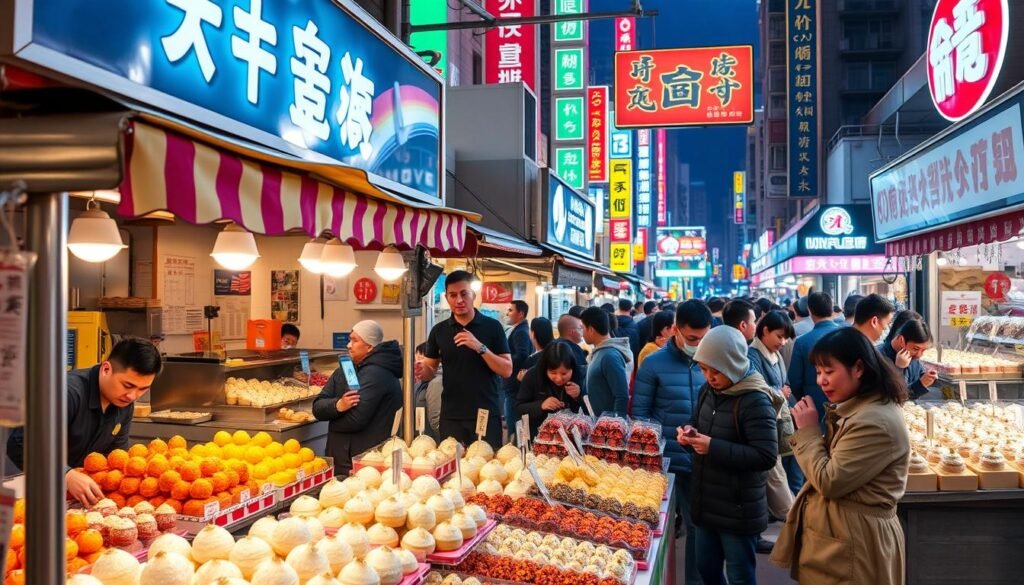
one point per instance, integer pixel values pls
(235, 248)
(941, 260)
(390, 264)
(476, 285)
(94, 236)
(789, 280)
(310, 257)
(540, 288)
(337, 259)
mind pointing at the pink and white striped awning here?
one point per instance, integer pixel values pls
(167, 171)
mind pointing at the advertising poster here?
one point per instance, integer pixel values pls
(284, 295)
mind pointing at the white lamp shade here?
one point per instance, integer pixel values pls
(310, 257)
(94, 237)
(337, 259)
(476, 285)
(390, 264)
(235, 248)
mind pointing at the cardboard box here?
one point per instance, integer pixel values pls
(957, 482)
(922, 482)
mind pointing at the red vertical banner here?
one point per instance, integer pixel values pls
(625, 33)
(511, 53)
(660, 139)
(597, 133)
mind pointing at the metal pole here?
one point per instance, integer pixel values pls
(46, 420)
(408, 380)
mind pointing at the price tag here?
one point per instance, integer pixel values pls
(210, 510)
(458, 461)
(520, 435)
(397, 423)
(13, 328)
(929, 417)
(578, 439)
(526, 427)
(396, 469)
(421, 419)
(300, 475)
(960, 321)
(482, 414)
(304, 358)
(586, 404)
(540, 483)
(963, 392)
(266, 488)
(993, 393)
(244, 496)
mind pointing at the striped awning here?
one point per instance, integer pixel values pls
(199, 184)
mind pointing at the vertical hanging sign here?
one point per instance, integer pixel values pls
(511, 51)
(660, 140)
(625, 33)
(620, 203)
(569, 96)
(802, 96)
(739, 197)
(643, 178)
(597, 134)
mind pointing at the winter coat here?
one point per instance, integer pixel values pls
(648, 349)
(729, 482)
(628, 329)
(843, 526)
(645, 327)
(520, 348)
(775, 376)
(666, 389)
(911, 374)
(608, 376)
(369, 423)
(536, 387)
(803, 379)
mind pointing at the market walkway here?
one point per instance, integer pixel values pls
(767, 573)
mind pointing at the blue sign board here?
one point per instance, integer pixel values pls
(569, 218)
(339, 340)
(802, 96)
(620, 143)
(304, 359)
(831, 230)
(315, 78)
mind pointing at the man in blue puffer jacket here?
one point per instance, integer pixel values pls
(667, 388)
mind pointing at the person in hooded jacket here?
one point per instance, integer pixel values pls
(735, 441)
(627, 327)
(611, 363)
(666, 390)
(554, 383)
(360, 419)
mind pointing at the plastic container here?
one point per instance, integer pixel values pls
(610, 431)
(263, 335)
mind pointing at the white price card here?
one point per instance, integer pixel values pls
(210, 510)
(993, 392)
(963, 392)
(482, 414)
(929, 417)
(540, 483)
(526, 427)
(396, 468)
(244, 496)
(13, 326)
(586, 404)
(397, 423)
(421, 419)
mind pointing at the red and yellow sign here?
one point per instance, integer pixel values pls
(597, 133)
(704, 86)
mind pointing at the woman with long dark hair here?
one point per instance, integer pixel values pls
(555, 383)
(906, 343)
(843, 526)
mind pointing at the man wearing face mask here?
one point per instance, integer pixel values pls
(667, 387)
(289, 336)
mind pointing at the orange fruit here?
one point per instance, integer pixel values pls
(156, 501)
(177, 442)
(112, 481)
(75, 565)
(21, 557)
(16, 577)
(136, 467)
(17, 536)
(176, 504)
(149, 487)
(306, 454)
(233, 477)
(117, 459)
(190, 471)
(19, 511)
(158, 446)
(70, 548)
(224, 498)
(201, 489)
(210, 465)
(99, 477)
(89, 541)
(12, 561)
(138, 450)
(167, 480)
(219, 481)
(157, 466)
(241, 469)
(133, 500)
(92, 558)
(129, 487)
(95, 462)
(193, 508)
(75, 522)
(180, 490)
(292, 446)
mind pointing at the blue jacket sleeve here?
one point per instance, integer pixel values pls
(917, 389)
(619, 381)
(644, 388)
(796, 372)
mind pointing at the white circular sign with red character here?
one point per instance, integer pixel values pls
(966, 44)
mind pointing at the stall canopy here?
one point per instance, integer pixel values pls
(485, 242)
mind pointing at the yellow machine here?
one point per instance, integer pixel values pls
(89, 340)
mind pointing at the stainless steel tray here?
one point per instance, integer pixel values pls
(179, 421)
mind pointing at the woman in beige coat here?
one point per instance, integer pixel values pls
(843, 528)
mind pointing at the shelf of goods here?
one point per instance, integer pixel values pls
(420, 457)
(247, 390)
(634, 443)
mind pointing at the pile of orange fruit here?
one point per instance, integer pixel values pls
(83, 545)
(188, 478)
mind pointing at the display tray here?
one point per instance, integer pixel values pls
(230, 517)
(662, 520)
(996, 377)
(457, 556)
(156, 418)
(648, 559)
(483, 580)
(305, 484)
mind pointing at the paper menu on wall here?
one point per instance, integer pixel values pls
(234, 316)
(178, 277)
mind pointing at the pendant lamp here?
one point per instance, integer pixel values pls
(235, 248)
(390, 264)
(94, 236)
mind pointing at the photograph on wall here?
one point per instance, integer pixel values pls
(284, 295)
(390, 294)
(335, 289)
(227, 283)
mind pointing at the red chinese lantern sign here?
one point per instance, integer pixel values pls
(597, 133)
(365, 291)
(511, 50)
(997, 285)
(966, 44)
(705, 86)
(496, 293)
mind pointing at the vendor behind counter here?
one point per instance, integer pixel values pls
(100, 406)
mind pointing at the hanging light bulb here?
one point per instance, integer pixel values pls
(235, 248)
(338, 259)
(941, 260)
(390, 264)
(539, 289)
(476, 285)
(310, 257)
(94, 236)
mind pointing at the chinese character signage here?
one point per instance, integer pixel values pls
(569, 218)
(569, 119)
(568, 30)
(704, 86)
(625, 33)
(620, 257)
(661, 146)
(511, 50)
(305, 76)
(569, 69)
(802, 96)
(430, 12)
(960, 307)
(620, 142)
(640, 245)
(620, 212)
(597, 134)
(597, 196)
(644, 183)
(975, 170)
(569, 165)
(966, 43)
(838, 230)
(739, 197)
(681, 252)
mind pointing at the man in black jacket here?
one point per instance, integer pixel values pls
(736, 442)
(360, 419)
(645, 324)
(521, 348)
(627, 327)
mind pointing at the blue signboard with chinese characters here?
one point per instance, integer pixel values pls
(802, 96)
(315, 78)
(569, 218)
(621, 141)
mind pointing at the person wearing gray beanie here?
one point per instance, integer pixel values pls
(735, 443)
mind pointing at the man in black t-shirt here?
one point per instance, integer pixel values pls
(474, 353)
